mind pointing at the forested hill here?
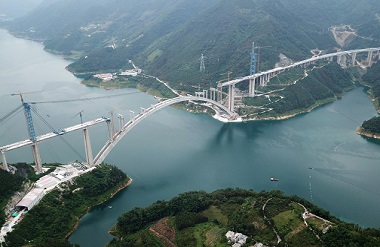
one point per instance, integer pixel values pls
(203, 219)
(167, 37)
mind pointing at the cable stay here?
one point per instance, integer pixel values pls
(82, 99)
(63, 139)
(10, 114)
(47, 146)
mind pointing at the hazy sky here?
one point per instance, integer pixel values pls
(17, 8)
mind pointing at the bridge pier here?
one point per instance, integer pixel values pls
(213, 94)
(265, 80)
(121, 121)
(369, 58)
(220, 93)
(110, 131)
(87, 147)
(342, 61)
(353, 59)
(205, 94)
(231, 97)
(5, 164)
(261, 81)
(252, 85)
(199, 94)
(131, 114)
(338, 59)
(37, 157)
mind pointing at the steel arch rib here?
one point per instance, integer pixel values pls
(106, 149)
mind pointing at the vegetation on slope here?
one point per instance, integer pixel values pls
(50, 222)
(370, 128)
(202, 219)
(9, 184)
(322, 85)
(372, 79)
(166, 38)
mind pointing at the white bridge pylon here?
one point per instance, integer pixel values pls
(263, 77)
(114, 137)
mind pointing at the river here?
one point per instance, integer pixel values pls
(174, 151)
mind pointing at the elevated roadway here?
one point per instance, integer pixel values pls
(303, 62)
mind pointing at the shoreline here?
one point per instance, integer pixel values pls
(121, 187)
(277, 118)
(290, 115)
(363, 133)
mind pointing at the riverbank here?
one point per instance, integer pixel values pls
(362, 132)
(58, 214)
(121, 187)
(261, 217)
(297, 112)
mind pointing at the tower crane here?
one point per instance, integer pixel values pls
(255, 58)
(258, 55)
(32, 133)
(228, 75)
(80, 115)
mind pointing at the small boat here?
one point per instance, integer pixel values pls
(109, 206)
(274, 179)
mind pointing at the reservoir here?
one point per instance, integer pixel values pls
(174, 151)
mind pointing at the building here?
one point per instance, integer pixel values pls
(31, 199)
(236, 239)
(132, 72)
(104, 77)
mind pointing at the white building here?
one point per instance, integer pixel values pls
(132, 72)
(104, 77)
(236, 239)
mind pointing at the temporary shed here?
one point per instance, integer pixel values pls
(31, 199)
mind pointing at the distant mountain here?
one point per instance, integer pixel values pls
(166, 37)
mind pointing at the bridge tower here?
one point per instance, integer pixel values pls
(32, 134)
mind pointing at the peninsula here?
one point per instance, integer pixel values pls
(55, 217)
(237, 217)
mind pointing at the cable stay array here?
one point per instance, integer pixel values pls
(82, 99)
